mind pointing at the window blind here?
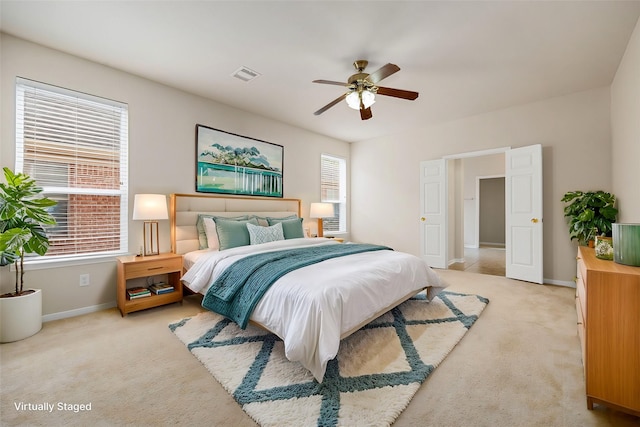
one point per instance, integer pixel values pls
(76, 148)
(333, 190)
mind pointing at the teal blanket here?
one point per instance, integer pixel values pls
(236, 292)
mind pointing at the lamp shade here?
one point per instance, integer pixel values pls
(150, 207)
(321, 210)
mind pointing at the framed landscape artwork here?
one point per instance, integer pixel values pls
(233, 164)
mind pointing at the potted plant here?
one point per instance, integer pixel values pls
(590, 214)
(23, 218)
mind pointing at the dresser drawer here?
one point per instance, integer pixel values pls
(581, 289)
(581, 334)
(581, 299)
(581, 271)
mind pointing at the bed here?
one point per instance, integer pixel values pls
(337, 289)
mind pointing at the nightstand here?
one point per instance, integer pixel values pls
(133, 267)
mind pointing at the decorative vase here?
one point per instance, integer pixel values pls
(604, 247)
(626, 244)
(20, 317)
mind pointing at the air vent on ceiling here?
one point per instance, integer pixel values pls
(245, 74)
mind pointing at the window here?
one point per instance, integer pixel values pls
(76, 148)
(333, 189)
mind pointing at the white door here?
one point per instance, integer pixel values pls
(523, 216)
(433, 212)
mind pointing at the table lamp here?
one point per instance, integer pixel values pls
(150, 208)
(321, 210)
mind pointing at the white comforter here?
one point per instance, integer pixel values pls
(310, 308)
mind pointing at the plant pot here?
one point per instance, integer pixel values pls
(20, 317)
(626, 240)
(604, 248)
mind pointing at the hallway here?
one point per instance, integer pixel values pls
(484, 260)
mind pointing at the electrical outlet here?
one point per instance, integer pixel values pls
(84, 280)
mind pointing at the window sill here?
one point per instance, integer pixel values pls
(336, 234)
(43, 264)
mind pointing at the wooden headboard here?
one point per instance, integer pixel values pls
(184, 210)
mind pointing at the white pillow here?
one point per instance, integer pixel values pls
(259, 234)
(212, 234)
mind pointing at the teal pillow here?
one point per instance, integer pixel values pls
(233, 233)
(202, 235)
(292, 228)
(262, 221)
(282, 218)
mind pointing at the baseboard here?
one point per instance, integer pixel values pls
(493, 244)
(559, 283)
(77, 312)
(456, 260)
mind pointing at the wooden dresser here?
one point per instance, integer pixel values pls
(608, 307)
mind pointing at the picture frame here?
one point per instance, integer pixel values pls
(228, 163)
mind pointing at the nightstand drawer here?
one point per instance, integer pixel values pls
(150, 268)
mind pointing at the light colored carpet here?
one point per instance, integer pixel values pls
(519, 365)
(376, 373)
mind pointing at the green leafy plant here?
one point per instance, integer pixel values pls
(23, 218)
(590, 214)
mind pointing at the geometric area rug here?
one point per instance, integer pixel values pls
(373, 378)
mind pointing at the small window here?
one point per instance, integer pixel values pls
(76, 148)
(333, 189)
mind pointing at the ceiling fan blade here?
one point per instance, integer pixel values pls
(365, 113)
(382, 73)
(331, 104)
(330, 82)
(397, 93)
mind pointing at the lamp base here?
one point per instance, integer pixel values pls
(150, 236)
(320, 228)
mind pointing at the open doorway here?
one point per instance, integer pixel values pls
(484, 215)
(442, 211)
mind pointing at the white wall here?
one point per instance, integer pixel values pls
(575, 134)
(162, 152)
(491, 198)
(625, 130)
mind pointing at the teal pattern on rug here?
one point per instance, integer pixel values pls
(333, 383)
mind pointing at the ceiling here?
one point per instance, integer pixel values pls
(464, 58)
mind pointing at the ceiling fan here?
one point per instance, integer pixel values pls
(362, 89)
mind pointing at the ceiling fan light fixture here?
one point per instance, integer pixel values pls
(353, 99)
(368, 98)
(362, 89)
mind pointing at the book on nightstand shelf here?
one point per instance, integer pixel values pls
(160, 288)
(138, 292)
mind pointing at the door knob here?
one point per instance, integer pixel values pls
(423, 219)
(534, 220)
